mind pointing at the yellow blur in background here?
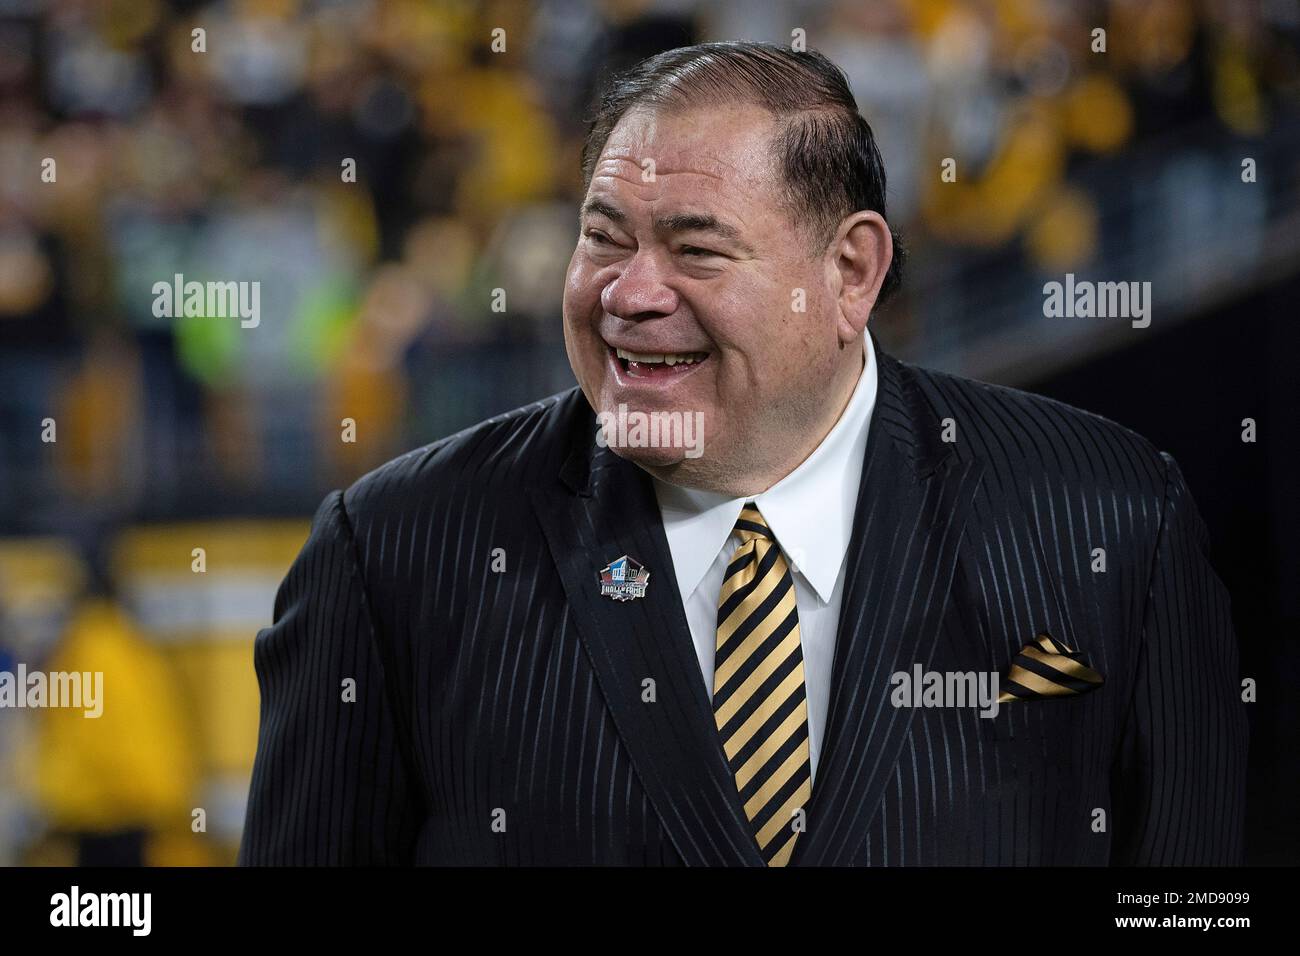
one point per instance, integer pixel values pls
(160, 776)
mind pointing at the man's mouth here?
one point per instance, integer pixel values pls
(656, 364)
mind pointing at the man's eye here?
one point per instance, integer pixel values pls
(599, 238)
(697, 251)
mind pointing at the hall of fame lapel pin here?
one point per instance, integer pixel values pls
(624, 579)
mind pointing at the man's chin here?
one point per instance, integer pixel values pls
(653, 438)
(652, 459)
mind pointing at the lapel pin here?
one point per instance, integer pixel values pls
(624, 579)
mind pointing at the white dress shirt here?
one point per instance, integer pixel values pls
(810, 512)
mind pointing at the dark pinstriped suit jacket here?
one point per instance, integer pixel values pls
(499, 715)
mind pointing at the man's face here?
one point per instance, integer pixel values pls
(688, 262)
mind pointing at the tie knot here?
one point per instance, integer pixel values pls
(750, 524)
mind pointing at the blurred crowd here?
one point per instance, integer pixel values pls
(140, 139)
(226, 156)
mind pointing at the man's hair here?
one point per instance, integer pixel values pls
(822, 148)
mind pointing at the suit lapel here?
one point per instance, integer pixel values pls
(605, 507)
(911, 512)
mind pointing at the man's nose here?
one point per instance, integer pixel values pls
(640, 290)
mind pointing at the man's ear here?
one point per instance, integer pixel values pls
(861, 253)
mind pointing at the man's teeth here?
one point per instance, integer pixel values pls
(661, 358)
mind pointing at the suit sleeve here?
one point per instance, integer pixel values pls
(1179, 783)
(330, 785)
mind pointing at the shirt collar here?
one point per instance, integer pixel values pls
(810, 510)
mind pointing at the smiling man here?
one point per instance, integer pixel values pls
(688, 234)
(540, 641)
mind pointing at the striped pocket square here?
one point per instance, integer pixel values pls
(1046, 667)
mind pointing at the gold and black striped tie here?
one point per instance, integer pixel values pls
(759, 700)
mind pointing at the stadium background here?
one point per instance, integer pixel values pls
(377, 299)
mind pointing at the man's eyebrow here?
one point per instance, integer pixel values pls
(603, 208)
(698, 222)
(680, 222)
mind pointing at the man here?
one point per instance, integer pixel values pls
(551, 640)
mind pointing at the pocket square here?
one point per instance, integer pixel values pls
(1046, 667)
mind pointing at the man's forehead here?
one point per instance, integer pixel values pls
(726, 144)
(629, 162)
